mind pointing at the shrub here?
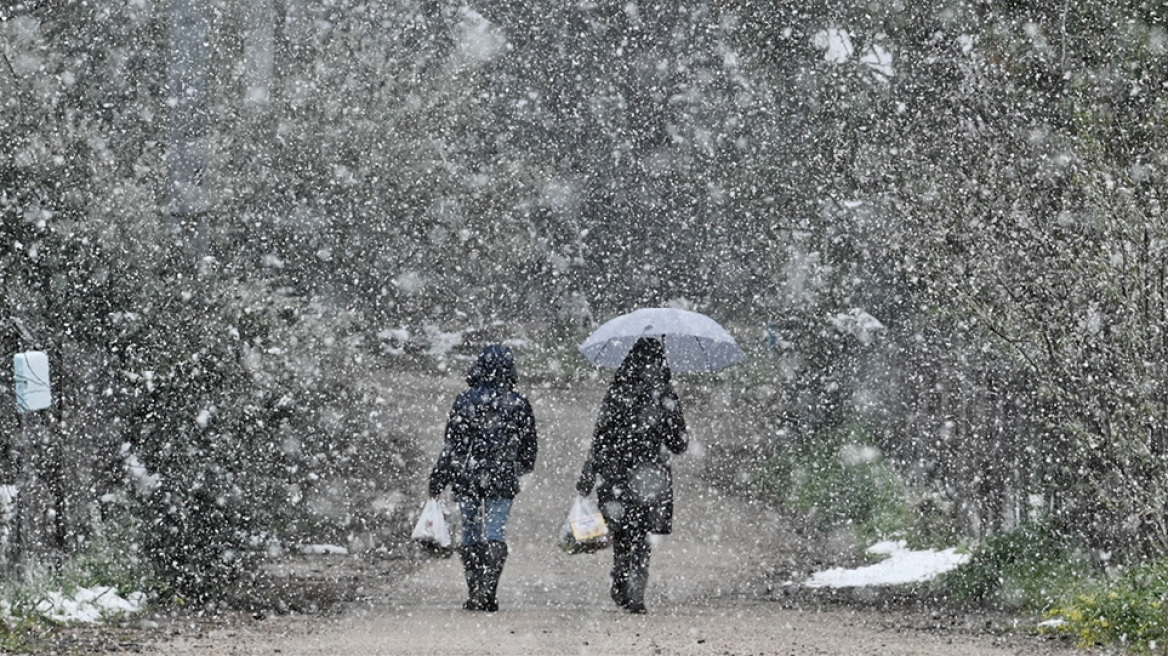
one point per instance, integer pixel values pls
(273, 427)
(1129, 609)
(838, 478)
(1028, 568)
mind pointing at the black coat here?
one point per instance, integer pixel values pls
(490, 435)
(640, 424)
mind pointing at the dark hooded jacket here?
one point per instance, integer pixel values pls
(490, 435)
(640, 423)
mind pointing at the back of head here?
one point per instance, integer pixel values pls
(495, 367)
(645, 363)
(641, 378)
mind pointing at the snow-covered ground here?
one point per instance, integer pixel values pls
(901, 566)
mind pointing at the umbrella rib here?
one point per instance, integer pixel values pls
(706, 353)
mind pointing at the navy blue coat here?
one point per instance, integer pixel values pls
(490, 435)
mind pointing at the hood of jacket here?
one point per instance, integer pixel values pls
(495, 367)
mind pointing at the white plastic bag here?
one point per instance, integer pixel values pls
(585, 530)
(431, 531)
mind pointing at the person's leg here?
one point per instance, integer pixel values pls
(620, 564)
(620, 524)
(498, 510)
(637, 574)
(472, 551)
(472, 520)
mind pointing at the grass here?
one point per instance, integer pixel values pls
(26, 629)
(23, 636)
(22, 592)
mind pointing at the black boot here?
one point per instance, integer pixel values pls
(473, 565)
(635, 591)
(636, 577)
(496, 556)
(617, 591)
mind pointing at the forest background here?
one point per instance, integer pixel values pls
(936, 226)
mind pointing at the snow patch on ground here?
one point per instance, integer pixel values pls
(324, 549)
(902, 566)
(89, 605)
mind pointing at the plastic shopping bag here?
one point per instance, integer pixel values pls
(431, 531)
(585, 530)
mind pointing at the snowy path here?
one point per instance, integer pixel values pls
(705, 594)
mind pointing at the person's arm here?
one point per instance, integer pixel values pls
(443, 472)
(587, 478)
(676, 439)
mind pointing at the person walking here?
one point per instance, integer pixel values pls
(490, 442)
(640, 423)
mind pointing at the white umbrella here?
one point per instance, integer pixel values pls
(693, 341)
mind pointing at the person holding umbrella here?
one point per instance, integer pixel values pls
(640, 423)
(490, 442)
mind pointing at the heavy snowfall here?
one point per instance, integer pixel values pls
(248, 251)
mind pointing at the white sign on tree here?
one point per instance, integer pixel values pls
(32, 381)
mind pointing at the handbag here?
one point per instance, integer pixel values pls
(584, 531)
(431, 532)
(651, 485)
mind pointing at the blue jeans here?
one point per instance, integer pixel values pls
(484, 520)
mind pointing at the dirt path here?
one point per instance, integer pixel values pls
(707, 592)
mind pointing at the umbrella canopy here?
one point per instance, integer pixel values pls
(693, 341)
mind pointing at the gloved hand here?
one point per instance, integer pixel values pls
(584, 485)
